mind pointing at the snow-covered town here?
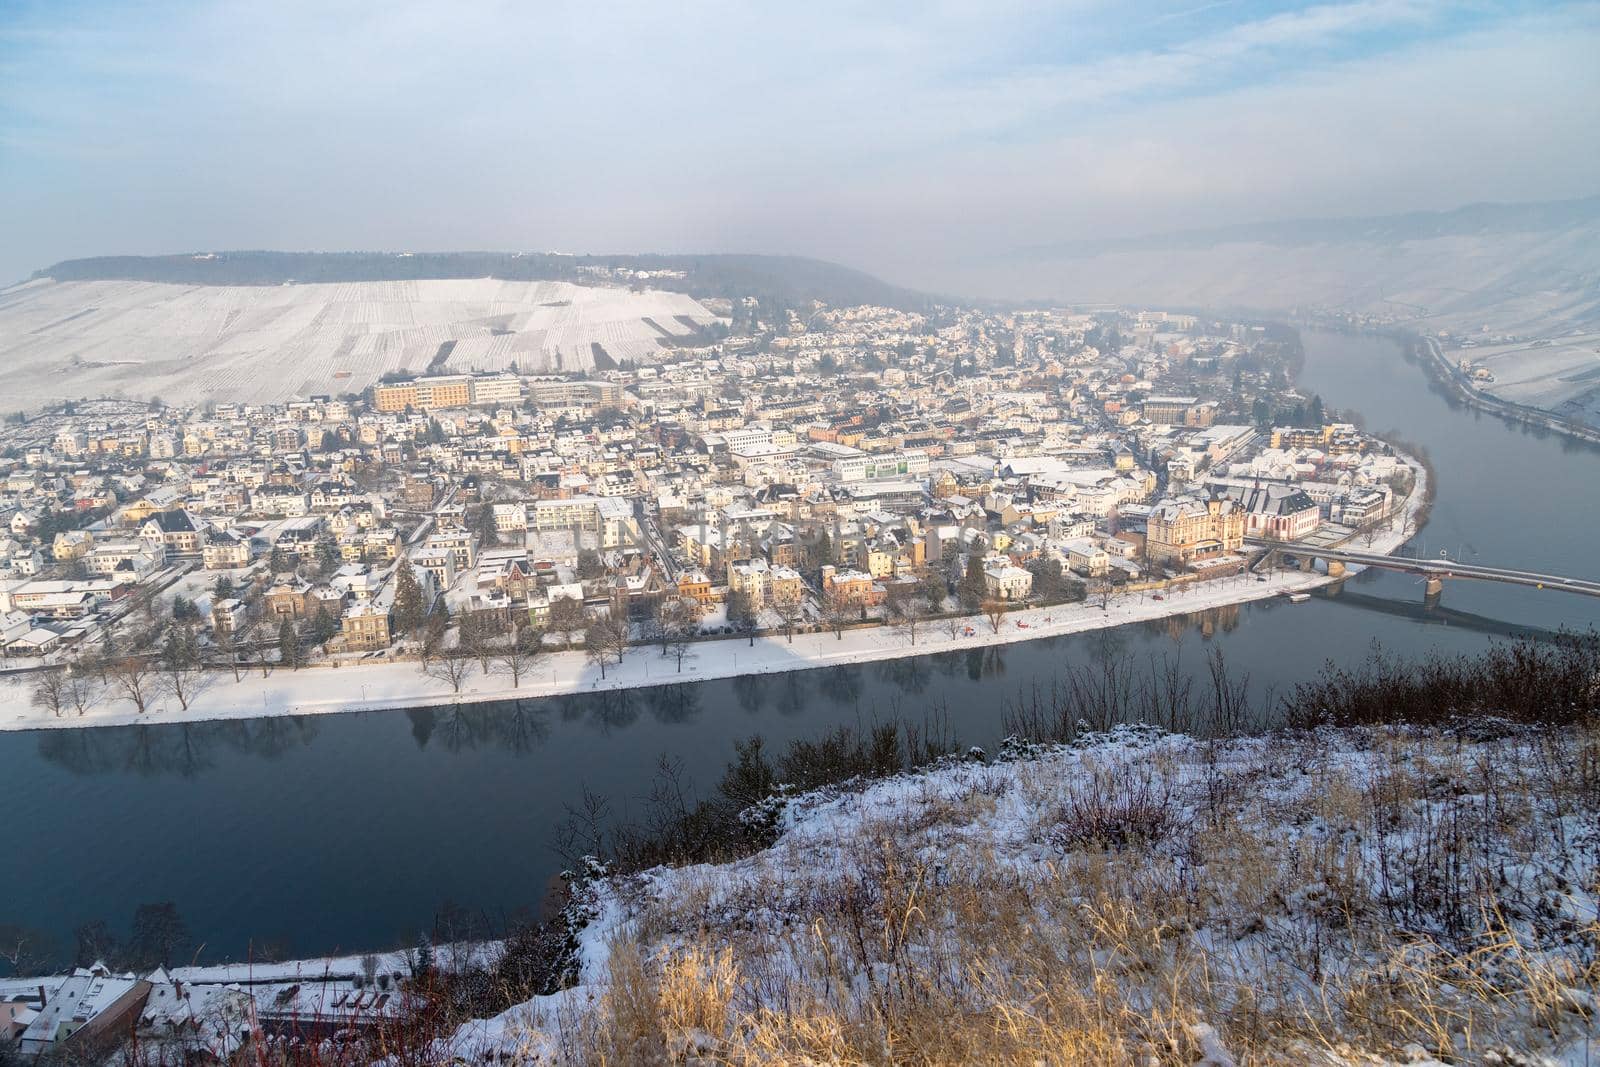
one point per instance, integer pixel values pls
(802, 485)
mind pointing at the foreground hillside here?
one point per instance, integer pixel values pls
(190, 343)
(1332, 896)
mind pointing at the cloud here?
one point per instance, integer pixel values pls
(893, 136)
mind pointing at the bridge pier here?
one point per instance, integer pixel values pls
(1336, 568)
(1434, 587)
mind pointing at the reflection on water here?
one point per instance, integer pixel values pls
(182, 750)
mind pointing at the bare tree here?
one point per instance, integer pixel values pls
(136, 678)
(676, 622)
(253, 642)
(518, 656)
(180, 667)
(228, 649)
(908, 614)
(741, 615)
(83, 687)
(955, 625)
(596, 647)
(50, 691)
(995, 612)
(480, 632)
(837, 611)
(681, 648)
(452, 666)
(567, 617)
(1101, 590)
(789, 614)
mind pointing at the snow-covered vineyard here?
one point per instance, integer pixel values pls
(267, 344)
(1333, 897)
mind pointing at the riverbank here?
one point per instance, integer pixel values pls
(389, 686)
(1461, 388)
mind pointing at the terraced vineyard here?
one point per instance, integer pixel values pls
(266, 344)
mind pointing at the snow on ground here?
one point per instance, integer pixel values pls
(383, 685)
(267, 344)
(1354, 896)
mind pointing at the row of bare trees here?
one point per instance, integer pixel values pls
(487, 643)
(141, 677)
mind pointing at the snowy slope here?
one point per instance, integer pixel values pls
(1335, 897)
(267, 344)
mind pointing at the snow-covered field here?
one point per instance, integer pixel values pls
(267, 344)
(1333, 897)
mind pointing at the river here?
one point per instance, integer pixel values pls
(349, 832)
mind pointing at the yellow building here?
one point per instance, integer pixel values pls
(424, 394)
(1186, 529)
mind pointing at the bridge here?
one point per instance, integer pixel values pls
(1435, 571)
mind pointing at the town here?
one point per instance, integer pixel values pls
(810, 470)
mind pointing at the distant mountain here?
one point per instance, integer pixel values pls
(1522, 279)
(788, 280)
(1473, 220)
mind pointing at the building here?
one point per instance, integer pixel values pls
(1179, 411)
(785, 585)
(853, 587)
(1185, 529)
(497, 389)
(88, 1013)
(1002, 581)
(1276, 510)
(750, 577)
(288, 599)
(366, 626)
(228, 616)
(694, 585)
(177, 530)
(225, 551)
(424, 394)
(865, 467)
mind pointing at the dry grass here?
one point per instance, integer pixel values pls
(1318, 898)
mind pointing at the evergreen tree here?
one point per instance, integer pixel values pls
(972, 588)
(159, 939)
(288, 645)
(824, 550)
(327, 555)
(323, 625)
(409, 611)
(422, 960)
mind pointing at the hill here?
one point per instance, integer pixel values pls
(189, 343)
(787, 280)
(1523, 277)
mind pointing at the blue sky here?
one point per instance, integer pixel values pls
(892, 136)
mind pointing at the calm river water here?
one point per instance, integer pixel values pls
(348, 832)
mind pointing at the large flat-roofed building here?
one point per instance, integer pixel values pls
(560, 392)
(424, 394)
(1179, 411)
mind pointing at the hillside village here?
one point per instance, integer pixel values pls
(814, 469)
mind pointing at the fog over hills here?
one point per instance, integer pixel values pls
(1521, 281)
(1506, 275)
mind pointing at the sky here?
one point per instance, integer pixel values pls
(895, 137)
